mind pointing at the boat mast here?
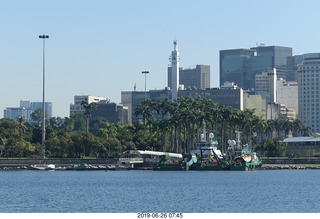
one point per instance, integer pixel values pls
(238, 139)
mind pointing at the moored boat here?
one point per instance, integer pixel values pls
(168, 162)
(80, 166)
(207, 156)
(43, 167)
(237, 157)
(241, 157)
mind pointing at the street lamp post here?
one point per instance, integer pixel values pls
(44, 37)
(145, 84)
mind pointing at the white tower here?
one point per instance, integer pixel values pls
(175, 71)
(272, 84)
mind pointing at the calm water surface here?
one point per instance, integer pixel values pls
(266, 191)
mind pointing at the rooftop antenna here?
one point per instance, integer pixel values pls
(135, 87)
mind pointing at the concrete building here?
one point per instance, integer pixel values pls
(25, 110)
(229, 95)
(266, 82)
(76, 107)
(112, 112)
(193, 78)
(287, 94)
(309, 91)
(253, 100)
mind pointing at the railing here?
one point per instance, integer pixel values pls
(131, 160)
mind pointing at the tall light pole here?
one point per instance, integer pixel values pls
(44, 37)
(145, 84)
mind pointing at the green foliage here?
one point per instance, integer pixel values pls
(165, 126)
(272, 147)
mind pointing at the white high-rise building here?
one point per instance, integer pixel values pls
(175, 71)
(78, 99)
(309, 91)
(287, 94)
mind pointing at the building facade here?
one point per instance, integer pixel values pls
(309, 91)
(76, 107)
(26, 109)
(193, 78)
(112, 112)
(242, 65)
(235, 66)
(292, 67)
(287, 94)
(270, 57)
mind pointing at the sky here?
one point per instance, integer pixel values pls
(100, 47)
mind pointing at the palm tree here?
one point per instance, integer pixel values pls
(21, 126)
(88, 107)
(144, 109)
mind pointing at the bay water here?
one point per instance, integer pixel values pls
(265, 191)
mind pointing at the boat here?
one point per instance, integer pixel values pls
(241, 157)
(43, 167)
(169, 161)
(79, 166)
(206, 156)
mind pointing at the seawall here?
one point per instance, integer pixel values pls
(268, 163)
(26, 163)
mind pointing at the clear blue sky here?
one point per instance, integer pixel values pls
(100, 47)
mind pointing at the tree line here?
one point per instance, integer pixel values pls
(164, 126)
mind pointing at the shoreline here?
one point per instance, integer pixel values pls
(105, 167)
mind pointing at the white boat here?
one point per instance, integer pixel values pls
(43, 167)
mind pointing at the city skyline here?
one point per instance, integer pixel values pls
(101, 48)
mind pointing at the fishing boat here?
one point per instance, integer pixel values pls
(241, 157)
(207, 156)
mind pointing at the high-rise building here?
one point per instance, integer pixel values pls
(271, 57)
(78, 99)
(26, 109)
(292, 67)
(198, 77)
(287, 94)
(112, 112)
(242, 65)
(235, 66)
(309, 91)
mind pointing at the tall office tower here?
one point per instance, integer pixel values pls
(309, 91)
(198, 77)
(292, 67)
(174, 71)
(242, 65)
(235, 66)
(270, 57)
